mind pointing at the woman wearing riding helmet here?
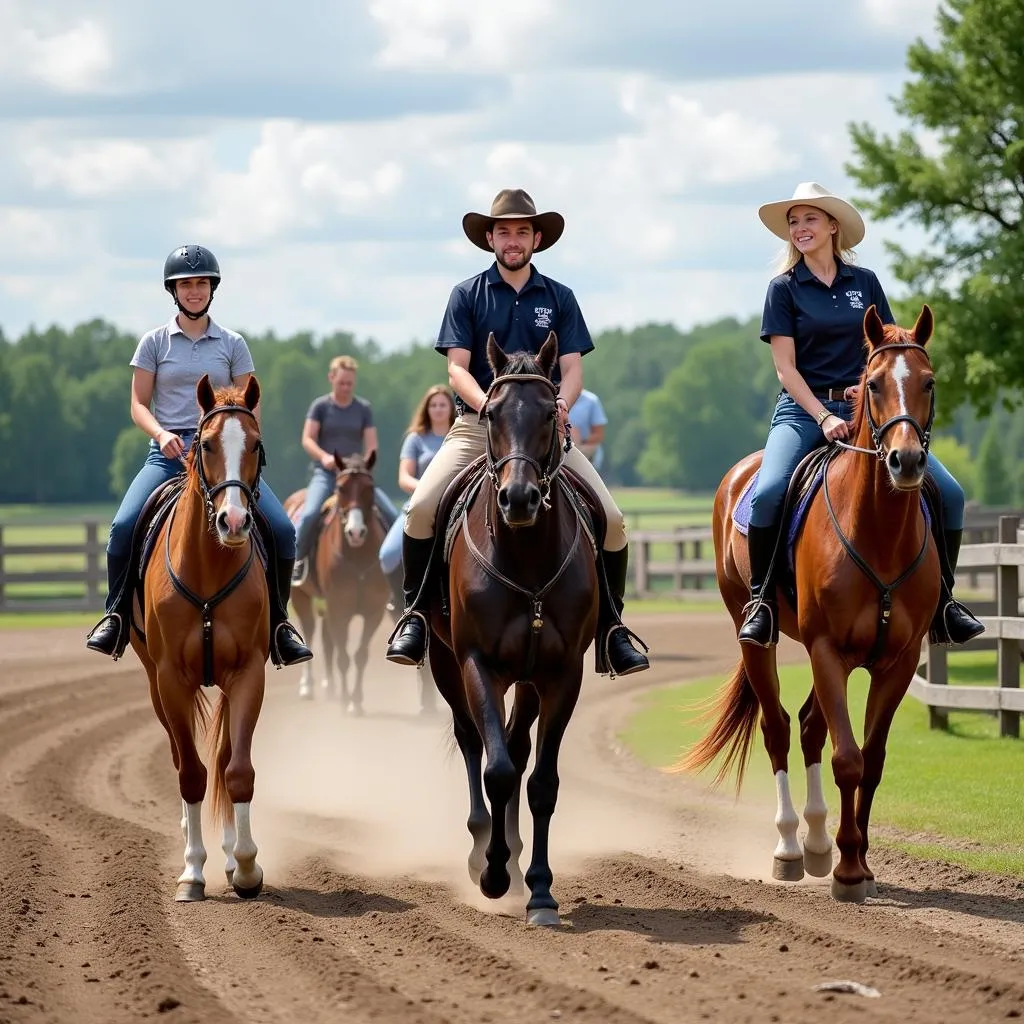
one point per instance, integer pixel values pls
(168, 363)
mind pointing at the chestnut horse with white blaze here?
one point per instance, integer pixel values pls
(205, 621)
(867, 583)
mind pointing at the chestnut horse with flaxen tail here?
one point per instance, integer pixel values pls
(205, 622)
(867, 583)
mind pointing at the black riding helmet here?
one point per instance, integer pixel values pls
(191, 261)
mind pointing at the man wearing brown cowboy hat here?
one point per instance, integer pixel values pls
(520, 306)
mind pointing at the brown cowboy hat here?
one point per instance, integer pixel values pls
(513, 204)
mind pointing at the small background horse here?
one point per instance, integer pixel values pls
(204, 556)
(347, 576)
(524, 605)
(872, 498)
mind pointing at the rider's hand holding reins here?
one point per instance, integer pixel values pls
(171, 445)
(327, 461)
(835, 428)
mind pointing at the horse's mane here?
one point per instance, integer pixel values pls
(893, 334)
(522, 362)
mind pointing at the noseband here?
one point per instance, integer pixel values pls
(343, 510)
(252, 494)
(553, 462)
(924, 433)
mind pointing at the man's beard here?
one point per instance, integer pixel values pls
(517, 263)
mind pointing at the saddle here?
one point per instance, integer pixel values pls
(155, 513)
(462, 492)
(803, 485)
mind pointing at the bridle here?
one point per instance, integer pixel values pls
(252, 493)
(343, 510)
(553, 463)
(878, 431)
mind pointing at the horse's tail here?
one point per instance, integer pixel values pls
(219, 738)
(734, 711)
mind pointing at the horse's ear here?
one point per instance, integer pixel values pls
(495, 356)
(372, 459)
(339, 460)
(922, 331)
(252, 392)
(204, 393)
(874, 330)
(548, 355)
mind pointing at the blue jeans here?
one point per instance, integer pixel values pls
(157, 470)
(793, 435)
(391, 549)
(318, 490)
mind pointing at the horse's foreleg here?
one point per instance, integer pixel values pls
(556, 706)
(176, 704)
(760, 664)
(830, 680)
(371, 620)
(817, 842)
(885, 693)
(245, 698)
(524, 714)
(487, 707)
(229, 835)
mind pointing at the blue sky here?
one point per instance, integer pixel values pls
(327, 151)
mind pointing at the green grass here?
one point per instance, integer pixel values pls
(55, 513)
(48, 620)
(655, 508)
(959, 785)
(674, 605)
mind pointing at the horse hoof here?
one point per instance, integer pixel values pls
(355, 710)
(190, 892)
(494, 884)
(250, 892)
(787, 870)
(229, 873)
(543, 917)
(843, 892)
(871, 889)
(305, 693)
(818, 864)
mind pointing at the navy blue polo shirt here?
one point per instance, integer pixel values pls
(520, 321)
(826, 322)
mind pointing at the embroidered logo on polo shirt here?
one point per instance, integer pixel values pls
(543, 315)
(856, 299)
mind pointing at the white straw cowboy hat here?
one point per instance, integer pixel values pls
(513, 204)
(775, 216)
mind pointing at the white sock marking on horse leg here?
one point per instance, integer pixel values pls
(786, 821)
(228, 844)
(195, 852)
(816, 811)
(248, 874)
(184, 821)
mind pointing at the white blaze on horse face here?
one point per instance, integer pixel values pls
(900, 372)
(232, 440)
(355, 527)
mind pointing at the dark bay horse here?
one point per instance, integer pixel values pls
(867, 583)
(347, 576)
(524, 603)
(206, 621)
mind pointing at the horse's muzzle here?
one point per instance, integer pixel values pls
(519, 503)
(906, 466)
(233, 525)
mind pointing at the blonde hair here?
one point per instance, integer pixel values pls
(791, 255)
(420, 422)
(342, 363)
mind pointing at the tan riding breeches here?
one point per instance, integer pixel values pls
(467, 440)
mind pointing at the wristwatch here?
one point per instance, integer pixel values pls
(823, 415)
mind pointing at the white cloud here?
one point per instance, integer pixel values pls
(903, 17)
(73, 58)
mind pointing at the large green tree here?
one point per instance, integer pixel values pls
(958, 172)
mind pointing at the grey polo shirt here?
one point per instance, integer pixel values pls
(178, 363)
(341, 426)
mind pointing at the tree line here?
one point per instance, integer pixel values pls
(682, 407)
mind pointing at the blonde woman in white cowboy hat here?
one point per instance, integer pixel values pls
(813, 320)
(520, 306)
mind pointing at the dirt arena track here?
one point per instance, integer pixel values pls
(368, 914)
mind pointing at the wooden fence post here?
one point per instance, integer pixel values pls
(1008, 604)
(3, 563)
(936, 671)
(93, 601)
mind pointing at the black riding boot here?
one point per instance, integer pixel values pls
(286, 645)
(110, 635)
(395, 579)
(953, 623)
(408, 644)
(614, 653)
(761, 625)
